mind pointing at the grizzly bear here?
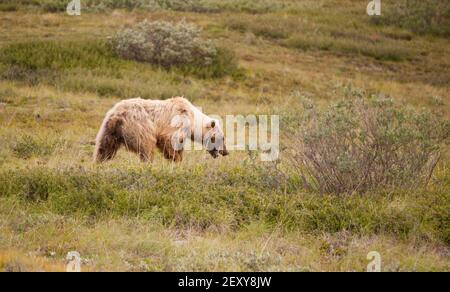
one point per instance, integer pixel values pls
(142, 126)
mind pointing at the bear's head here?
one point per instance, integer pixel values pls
(214, 139)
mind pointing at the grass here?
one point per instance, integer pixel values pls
(151, 247)
(182, 198)
(27, 146)
(8, 7)
(87, 66)
(57, 56)
(316, 36)
(66, 65)
(198, 6)
(58, 78)
(430, 17)
(388, 51)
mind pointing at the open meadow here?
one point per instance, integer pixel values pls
(364, 165)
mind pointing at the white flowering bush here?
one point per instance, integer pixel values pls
(164, 44)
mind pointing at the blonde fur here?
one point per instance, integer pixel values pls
(145, 125)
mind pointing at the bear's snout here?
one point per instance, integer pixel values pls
(214, 153)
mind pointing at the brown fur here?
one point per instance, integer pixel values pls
(143, 126)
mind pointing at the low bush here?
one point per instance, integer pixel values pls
(28, 146)
(173, 45)
(228, 198)
(359, 145)
(53, 6)
(165, 44)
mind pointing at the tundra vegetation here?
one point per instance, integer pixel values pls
(364, 109)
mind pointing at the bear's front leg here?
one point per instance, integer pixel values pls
(176, 156)
(169, 152)
(146, 156)
(145, 151)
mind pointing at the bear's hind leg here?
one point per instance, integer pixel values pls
(108, 141)
(140, 140)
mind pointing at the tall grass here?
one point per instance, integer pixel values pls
(27, 146)
(383, 51)
(240, 195)
(432, 16)
(91, 66)
(54, 55)
(236, 213)
(202, 6)
(294, 33)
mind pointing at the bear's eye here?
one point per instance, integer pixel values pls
(213, 139)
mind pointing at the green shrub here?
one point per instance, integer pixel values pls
(432, 16)
(173, 45)
(53, 6)
(359, 145)
(158, 193)
(231, 198)
(435, 210)
(27, 146)
(164, 44)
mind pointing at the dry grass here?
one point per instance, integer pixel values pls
(16, 261)
(62, 116)
(136, 245)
